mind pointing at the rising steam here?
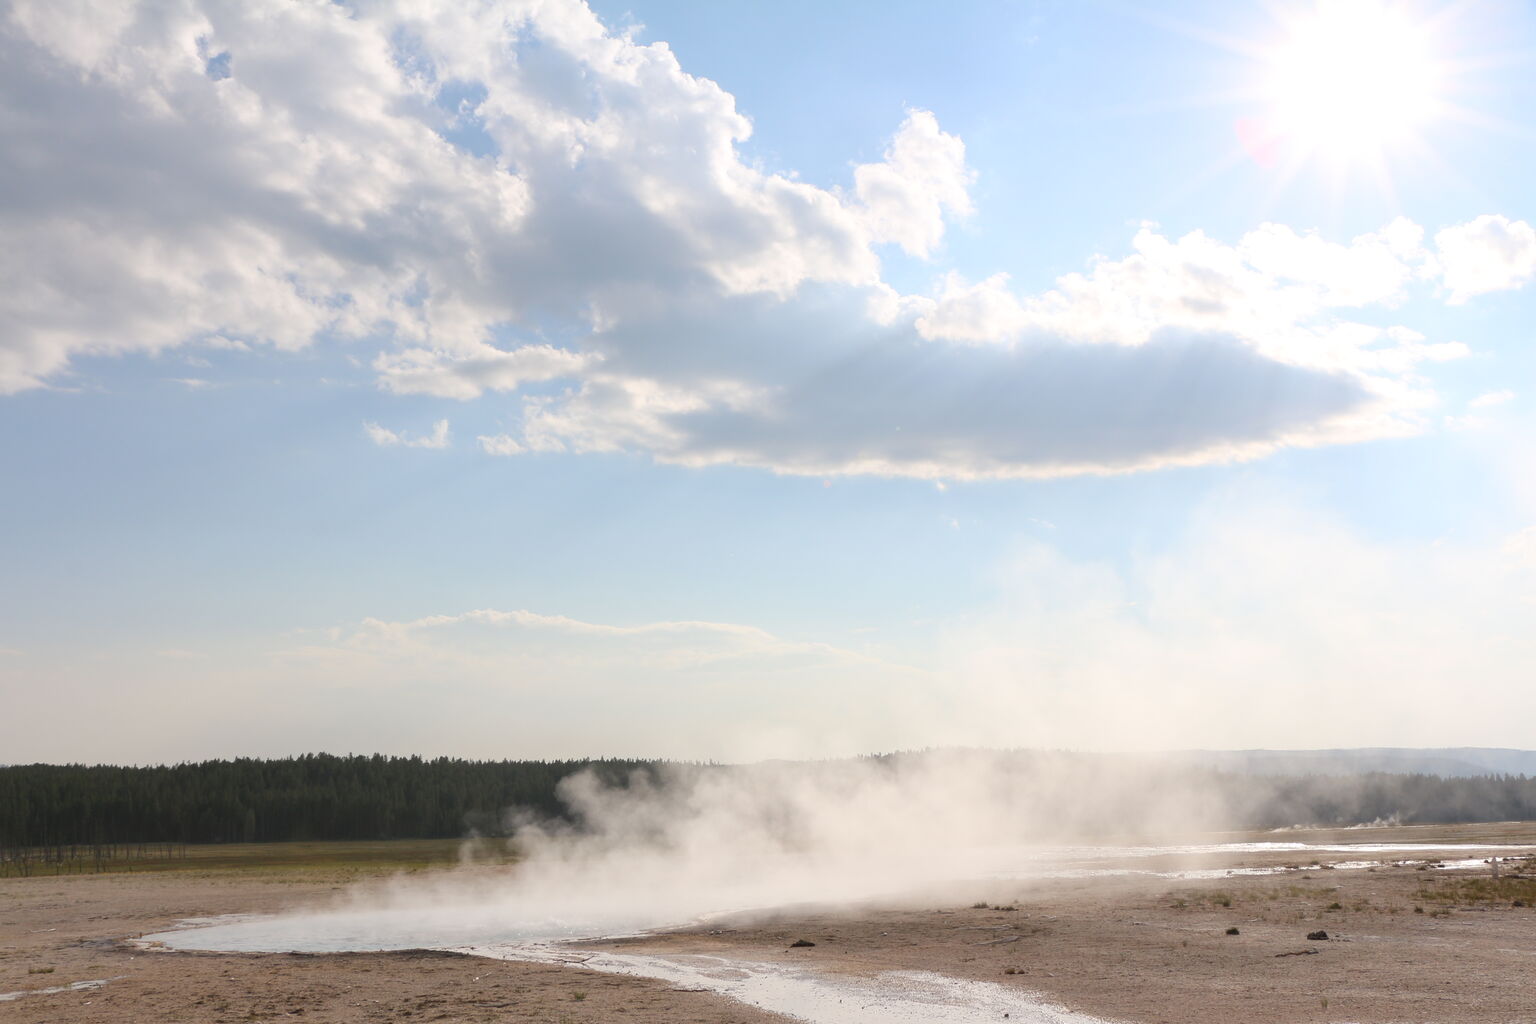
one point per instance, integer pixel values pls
(669, 844)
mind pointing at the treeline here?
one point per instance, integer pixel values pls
(325, 797)
(314, 797)
(1276, 801)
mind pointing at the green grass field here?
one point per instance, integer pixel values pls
(296, 859)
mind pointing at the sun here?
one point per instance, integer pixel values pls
(1350, 80)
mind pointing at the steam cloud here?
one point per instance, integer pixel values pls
(669, 845)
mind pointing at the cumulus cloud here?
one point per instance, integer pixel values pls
(1275, 288)
(1189, 351)
(504, 197)
(1051, 409)
(1491, 253)
(272, 173)
(986, 311)
(923, 178)
(386, 438)
(158, 204)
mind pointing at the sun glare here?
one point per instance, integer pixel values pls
(1351, 79)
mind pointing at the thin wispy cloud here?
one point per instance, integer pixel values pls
(1489, 399)
(386, 438)
(501, 444)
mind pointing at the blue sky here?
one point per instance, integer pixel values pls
(740, 381)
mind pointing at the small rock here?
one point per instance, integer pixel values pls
(1233, 931)
(1317, 936)
(802, 943)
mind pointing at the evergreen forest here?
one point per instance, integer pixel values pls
(327, 797)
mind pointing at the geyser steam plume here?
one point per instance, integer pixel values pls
(672, 843)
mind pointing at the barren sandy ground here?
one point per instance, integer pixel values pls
(1140, 949)
(75, 926)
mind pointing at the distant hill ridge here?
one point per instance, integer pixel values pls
(1450, 762)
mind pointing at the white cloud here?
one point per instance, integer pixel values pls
(465, 375)
(986, 311)
(884, 402)
(1009, 418)
(1275, 289)
(1188, 351)
(1491, 398)
(215, 341)
(327, 185)
(482, 196)
(1490, 253)
(501, 444)
(1373, 268)
(922, 179)
(1474, 420)
(386, 438)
